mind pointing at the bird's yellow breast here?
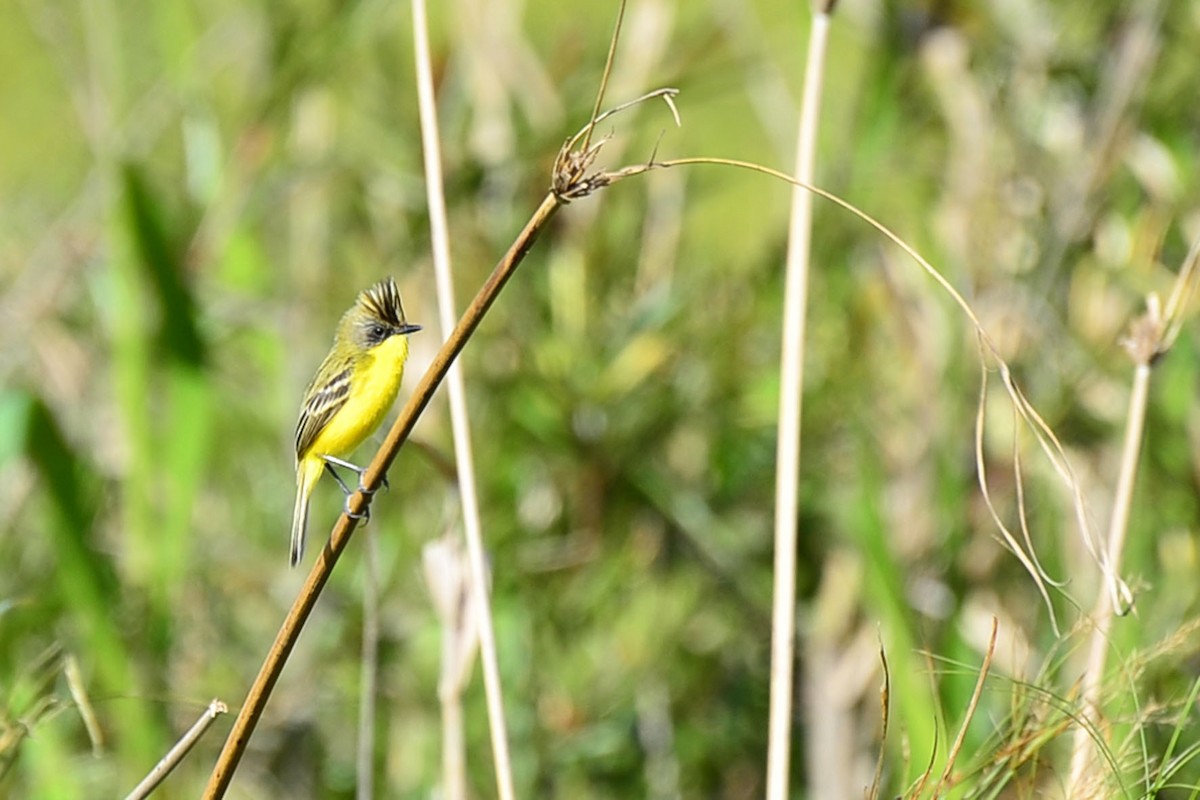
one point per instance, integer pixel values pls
(373, 388)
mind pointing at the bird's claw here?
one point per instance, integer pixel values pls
(364, 515)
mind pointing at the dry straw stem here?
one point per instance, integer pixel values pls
(608, 65)
(919, 786)
(171, 760)
(1150, 337)
(885, 697)
(1026, 555)
(787, 451)
(83, 702)
(956, 748)
(459, 418)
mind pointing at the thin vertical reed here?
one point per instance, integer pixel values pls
(787, 465)
(459, 418)
(1083, 750)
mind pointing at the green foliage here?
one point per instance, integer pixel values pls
(196, 191)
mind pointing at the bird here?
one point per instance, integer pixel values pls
(351, 393)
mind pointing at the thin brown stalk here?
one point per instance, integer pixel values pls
(285, 639)
(928, 773)
(171, 760)
(939, 724)
(787, 461)
(78, 688)
(459, 417)
(608, 67)
(885, 698)
(956, 748)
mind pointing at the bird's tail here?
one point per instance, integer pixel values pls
(306, 478)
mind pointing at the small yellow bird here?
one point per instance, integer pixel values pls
(351, 393)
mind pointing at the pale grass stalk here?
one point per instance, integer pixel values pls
(83, 702)
(365, 766)
(787, 464)
(1028, 560)
(184, 746)
(1149, 339)
(1083, 751)
(459, 419)
(454, 757)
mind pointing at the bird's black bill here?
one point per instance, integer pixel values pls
(407, 328)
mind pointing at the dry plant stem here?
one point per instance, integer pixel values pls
(608, 64)
(171, 760)
(1028, 561)
(1083, 751)
(285, 640)
(459, 419)
(956, 748)
(787, 462)
(78, 688)
(885, 697)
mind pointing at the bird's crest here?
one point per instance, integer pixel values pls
(382, 301)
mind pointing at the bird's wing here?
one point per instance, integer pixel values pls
(324, 399)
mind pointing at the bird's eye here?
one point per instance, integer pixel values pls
(376, 333)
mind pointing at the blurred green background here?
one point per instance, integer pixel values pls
(192, 193)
